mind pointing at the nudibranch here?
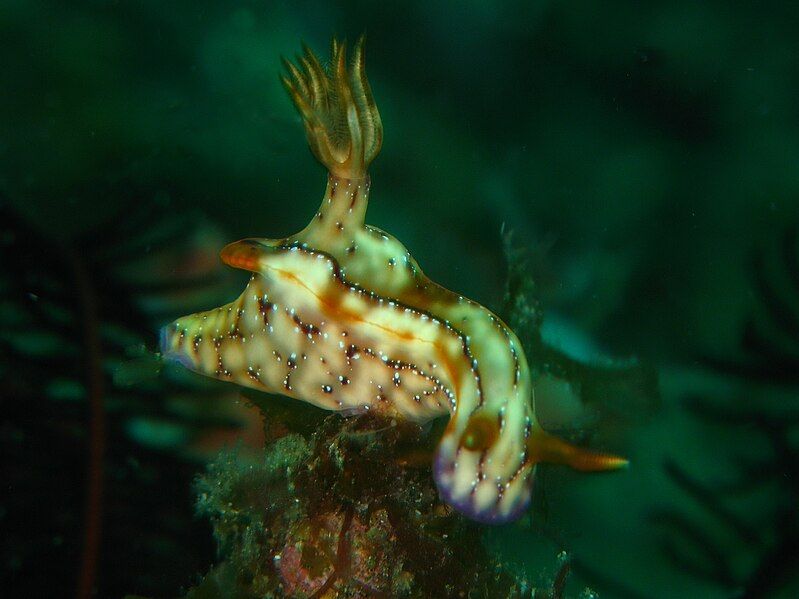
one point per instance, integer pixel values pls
(340, 315)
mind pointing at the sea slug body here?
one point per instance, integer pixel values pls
(340, 315)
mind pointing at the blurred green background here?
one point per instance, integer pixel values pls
(642, 151)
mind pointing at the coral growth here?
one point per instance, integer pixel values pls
(343, 513)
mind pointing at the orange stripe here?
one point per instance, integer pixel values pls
(332, 307)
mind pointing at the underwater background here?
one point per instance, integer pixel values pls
(631, 172)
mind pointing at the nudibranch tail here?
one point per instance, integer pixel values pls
(543, 447)
(341, 119)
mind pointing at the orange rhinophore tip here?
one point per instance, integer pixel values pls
(544, 447)
(244, 254)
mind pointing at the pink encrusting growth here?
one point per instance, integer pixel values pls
(341, 316)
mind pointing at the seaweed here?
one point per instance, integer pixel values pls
(83, 513)
(745, 537)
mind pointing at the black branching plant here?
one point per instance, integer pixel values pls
(84, 510)
(744, 534)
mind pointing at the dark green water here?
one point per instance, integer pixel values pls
(645, 158)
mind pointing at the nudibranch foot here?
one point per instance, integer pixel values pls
(463, 485)
(472, 475)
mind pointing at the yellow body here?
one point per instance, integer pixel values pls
(341, 315)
